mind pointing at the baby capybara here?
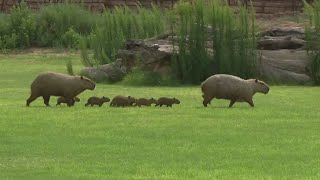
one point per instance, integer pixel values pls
(167, 101)
(62, 100)
(122, 101)
(145, 102)
(56, 84)
(97, 101)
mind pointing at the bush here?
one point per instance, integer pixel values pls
(122, 24)
(233, 39)
(69, 67)
(57, 21)
(71, 39)
(20, 31)
(313, 37)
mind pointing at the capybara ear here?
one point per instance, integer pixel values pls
(129, 96)
(256, 80)
(81, 77)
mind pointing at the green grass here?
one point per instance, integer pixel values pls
(278, 139)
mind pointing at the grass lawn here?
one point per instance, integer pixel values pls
(278, 139)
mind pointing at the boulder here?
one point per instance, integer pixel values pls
(284, 66)
(112, 72)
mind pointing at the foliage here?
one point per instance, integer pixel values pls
(121, 24)
(233, 39)
(313, 37)
(69, 67)
(55, 20)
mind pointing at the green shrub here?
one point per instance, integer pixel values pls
(69, 67)
(57, 21)
(313, 37)
(122, 24)
(71, 39)
(21, 27)
(233, 39)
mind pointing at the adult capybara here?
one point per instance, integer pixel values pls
(167, 101)
(145, 102)
(223, 86)
(62, 100)
(122, 101)
(97, 101)
(55, 84)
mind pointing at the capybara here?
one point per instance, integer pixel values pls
(145, 102)
(167, 101)
(97, 101)
(122, 101)
(223, 86)
(55, 84)
(62, 100)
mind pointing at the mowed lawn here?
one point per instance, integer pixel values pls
(278, 139)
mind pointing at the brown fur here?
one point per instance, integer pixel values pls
(145, 102)
(235, 89)
(56, 84)
(62, 100)
(122, 101)
(97, 101)
(167, 101)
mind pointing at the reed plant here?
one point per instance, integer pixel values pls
(231, 35)
(312, 31)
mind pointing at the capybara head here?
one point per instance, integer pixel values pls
(131, 100)
(176, 101)
(260, 86)
(87, 83)
(153, 101)
(76, 99)
(105, 99)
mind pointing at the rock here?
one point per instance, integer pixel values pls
(112, 72)
(275, 61)
(285, 66)
(296, 32)
(282, 42)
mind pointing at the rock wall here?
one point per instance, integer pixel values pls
(261, 6)
(94, 5)
(271, 7)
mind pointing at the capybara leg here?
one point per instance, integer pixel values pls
(91, 105)
(70, 102)
(46, 100)
(87, 104)
(250, 102)
(206, 100)
(232, 102)
(31, 99)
